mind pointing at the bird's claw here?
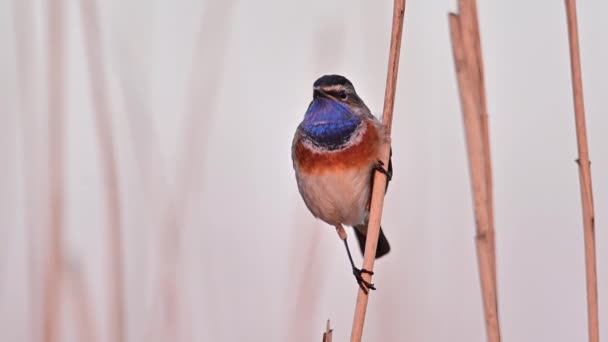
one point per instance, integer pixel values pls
(379, 166)
(363, 284)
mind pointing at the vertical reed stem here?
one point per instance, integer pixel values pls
(479, 75)
(584, 173)
(467, 57)
(377, 201)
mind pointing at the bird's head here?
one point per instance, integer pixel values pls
(338, 88)
(335, 111)
(334, 99)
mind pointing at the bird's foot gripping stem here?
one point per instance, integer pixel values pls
(363, 284)
(379, 166)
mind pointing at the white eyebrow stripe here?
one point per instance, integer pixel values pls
(331, 88)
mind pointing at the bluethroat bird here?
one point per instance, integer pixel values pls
(335, 152)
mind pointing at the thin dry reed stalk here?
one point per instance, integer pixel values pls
(584, 168)
(101, 108)
(377, 201)
(53, 269)
(466, 48)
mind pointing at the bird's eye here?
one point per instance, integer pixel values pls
(343, 95)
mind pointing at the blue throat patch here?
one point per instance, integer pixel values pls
(329, 124)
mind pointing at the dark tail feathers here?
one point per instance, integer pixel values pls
(383, 247)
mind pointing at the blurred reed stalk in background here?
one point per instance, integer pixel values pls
(166, 322)
(584, 168)
(466, 46)
(82, 310)
(304, 278)
(54, 266)
(102, 113)
(35, 164)
(379, 188)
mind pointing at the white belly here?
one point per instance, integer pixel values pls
(337, 196)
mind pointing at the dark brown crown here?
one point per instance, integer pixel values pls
(329, 80)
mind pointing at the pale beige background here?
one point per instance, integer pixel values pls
(205, 97)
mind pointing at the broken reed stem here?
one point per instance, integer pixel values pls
(377, 200)
(99, 94)
(584, 173)
(479, 75)
(468, 74)
(328, 332)
(53, 270)
(471, 40)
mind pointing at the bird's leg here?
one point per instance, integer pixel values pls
(363, 284)
(341, 232)
(379, 166)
